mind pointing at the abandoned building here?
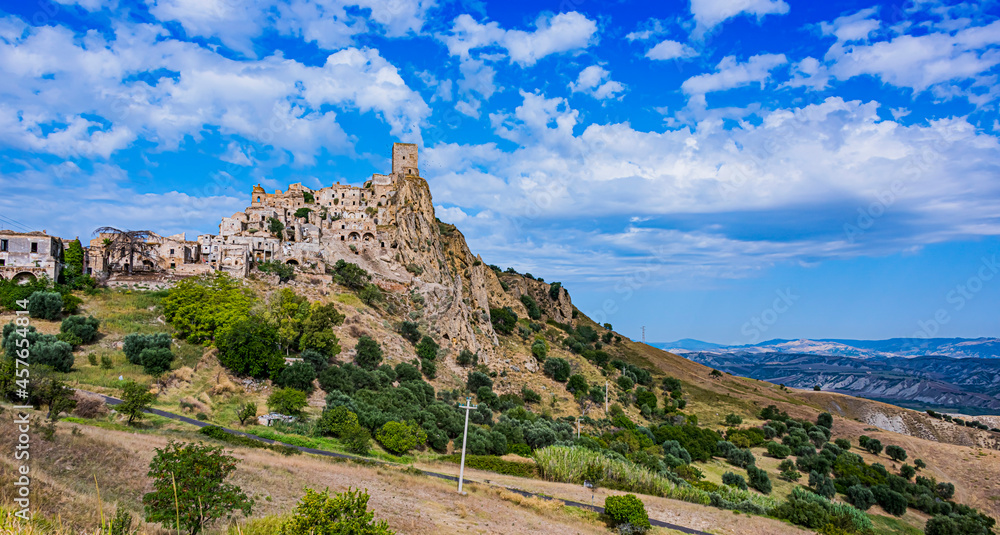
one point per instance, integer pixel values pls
(29, 255)
(174, 254)
(310, 228)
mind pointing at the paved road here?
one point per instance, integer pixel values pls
(198, 423)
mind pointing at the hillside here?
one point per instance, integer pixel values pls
(398, 338)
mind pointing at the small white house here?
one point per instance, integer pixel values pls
(268, 419)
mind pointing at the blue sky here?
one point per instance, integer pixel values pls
(728, 170)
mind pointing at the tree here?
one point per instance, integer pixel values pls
(370, 294)
(287, 311)
(758, 479)
(249, 347)
(427, 349)
(56, 395)
(907, 471)
(79, 330)
(873, 446)
(532, 306)
(302, 212)
(129, 244)
(920, 464)
(73, 258)
(733, 419)
(825, 419)
(336, 421)
(411, 331)
(466, 358)
(645, 397)
(895, 453)
(350, 275)
(539, 349)
(368, 353)
(246, 411)
(504, 320)
(860, 496)
(276, 228)
(400, 438)
(344, 513)
(195, 475)
(299, 376)
(558, 369)
(578, 386)
(136, 398)
(317, 360)
(287, 401)
(317, 330)
(134, 344)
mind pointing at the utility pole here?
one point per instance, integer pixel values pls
(461, 471)
(578, 428)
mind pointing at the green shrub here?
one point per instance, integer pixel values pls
(356, 439)
(155, 360)
(198, 307)
(135, 343)
(248, 347)
(285, 272)
(860, 496)
(504, 320)
(778, 451)
(477, 379)
(843, 443)
(299, 376)
(410, 330)
(428, 368)
(45, 305)
(368, 353)
(337, 421)
(734, 480)
(895, 453)
(529, 395)
(554, 290)
(400, 438)
(532, 306)
(492, 463)
(84, 329)
(427, 348)
(371, 294)
(733, 419)
(539, 349)
(627, 511)
(759, 479)
(287, 401)
(467, 358)
(318, 513)
(43, 349)
(556, 368)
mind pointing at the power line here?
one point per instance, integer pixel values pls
(14, 222)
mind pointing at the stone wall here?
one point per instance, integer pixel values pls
(29, 255)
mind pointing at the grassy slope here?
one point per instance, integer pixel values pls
(201, 382)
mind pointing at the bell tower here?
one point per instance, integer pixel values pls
(404, 159)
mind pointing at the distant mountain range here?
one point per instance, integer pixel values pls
(952, 374)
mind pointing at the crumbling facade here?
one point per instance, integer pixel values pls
(25, 256)
(309, 228)
(172, 254)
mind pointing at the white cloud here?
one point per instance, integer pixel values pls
(53, 79)
(596, 82)
(919, 62)
(709, 13)
(854, 27)
(89, 5)
(827, 158)
(809, 73)
(731, 74)
(556, 34)
(668, 49)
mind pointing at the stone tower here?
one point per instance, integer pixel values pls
(404, 159)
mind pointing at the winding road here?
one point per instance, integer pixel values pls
(198, 423)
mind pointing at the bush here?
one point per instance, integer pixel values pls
(45, 305)
(189, 483)
(428, 368)
(466, 358)
(371, 294)
(554, 290)
(504, 320)
(155, 360)
(558, 369)
(337, 421)
(873, 446)
(759, 479)
(734, 480)
(83, 330)
(893, 502)
(532, 306)
(134, 344)
(843, 444)
(860, 496)
(733, 419)
(320, 514)
(44, 349)
(400, 438)
(410, 331)
(529, 395)
(88, 406)
(248, 347)
(288, 401)
(427, 348)
(492, 463)
(778, 451)
(299, 376)
(284, 272)
(368, 353)
(895, 453)
(476, 380)
(407, 372)
(577, 384)
(356, 439)
(627, 511)
(539, 349)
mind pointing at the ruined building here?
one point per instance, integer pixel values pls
(313, 228)
(29, 255)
